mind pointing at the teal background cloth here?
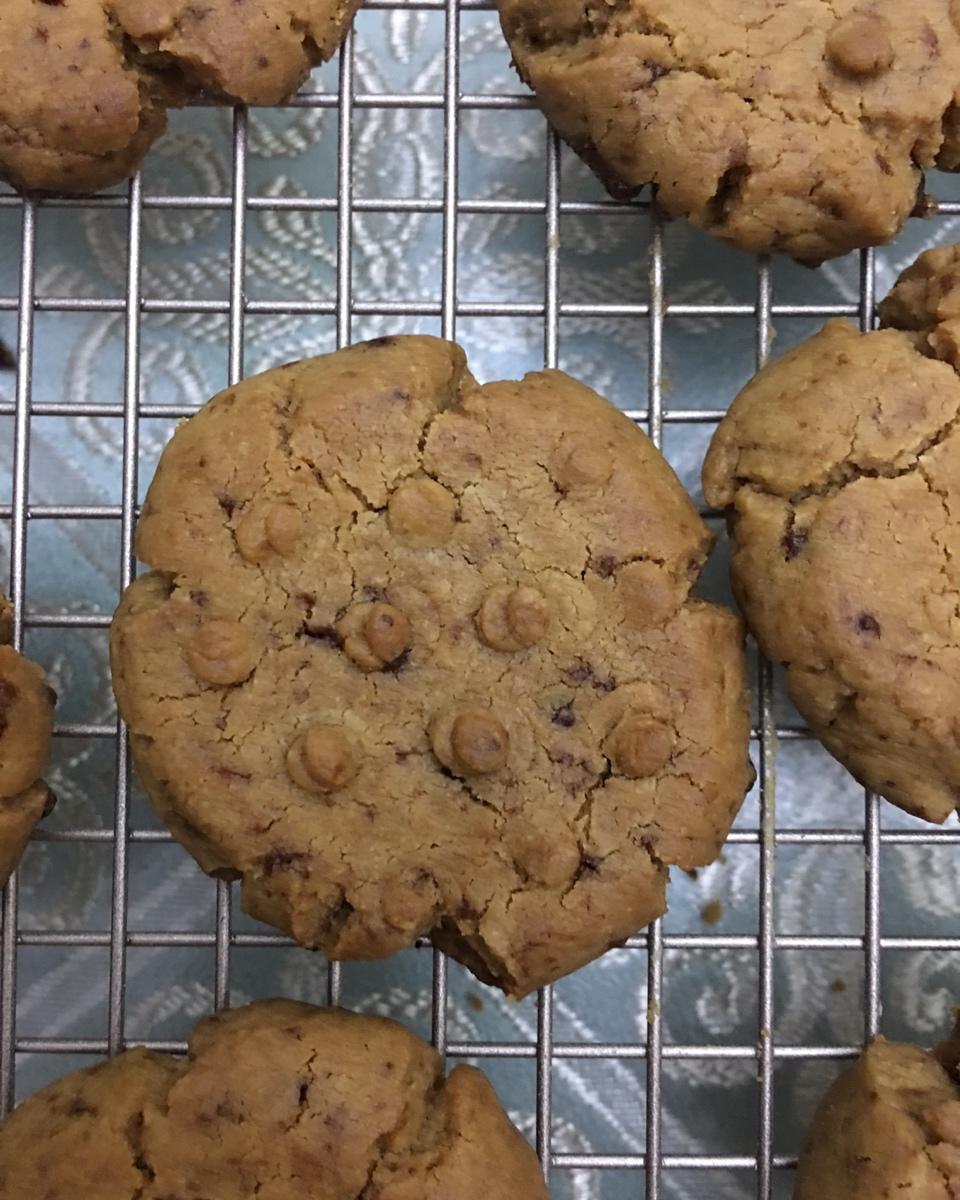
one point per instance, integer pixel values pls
(710, 1106)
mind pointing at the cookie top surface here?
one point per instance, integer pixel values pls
(418, 657)
(889, 1126)
(795, 126)
(279, 1100)
(26, 724)
(84, 85)
(840, 464)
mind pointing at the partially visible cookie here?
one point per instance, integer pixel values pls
(419, 657)
(278, 1100)
(26, 724)
(888, 1127)
(85, 84)
(800, 127)
(840, 468)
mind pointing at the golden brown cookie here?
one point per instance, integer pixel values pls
(26, 724)
(840, 466)
(418, 657)
(888, 1127)
(800, 127)
(278, 1099)
(85, 84)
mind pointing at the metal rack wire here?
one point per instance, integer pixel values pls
(654, 1164)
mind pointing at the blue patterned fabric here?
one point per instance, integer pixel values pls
(710, 1106)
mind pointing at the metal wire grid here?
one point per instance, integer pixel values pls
(222, 939)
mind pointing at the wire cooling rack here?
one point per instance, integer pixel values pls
(764, 1172)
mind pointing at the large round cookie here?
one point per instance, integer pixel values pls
(26, 724)
(888, 1127)
(799, 127)
(278, 1100)
(840, 465)
(418, 657)
(85, 84)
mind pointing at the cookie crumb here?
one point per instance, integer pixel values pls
(712, 912)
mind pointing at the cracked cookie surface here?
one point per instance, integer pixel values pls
(26, 724)
(278, 1100)
(888, 1127)
(418, 657)
(85, 84)
(840, 467)
(799, 126)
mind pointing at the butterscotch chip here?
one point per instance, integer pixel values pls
(512, 618)
(26, 726)
(241, 1115)
(470, 741)
(887, 1127)
(543, 855)
(321, 759)
(443, 656)
(422, 512)
(860, 44)
(583, 465)
(649, 594)
(840, 468)
(85, 85)
(269, 530)
(642, 745)
(800, 127)
(222, 652)
(375, 634)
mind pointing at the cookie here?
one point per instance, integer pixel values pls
(85, 85)
(800, 127)
(840, 467)
(889, 1126)
(419, 658)
(278, 1099)
(26, 725)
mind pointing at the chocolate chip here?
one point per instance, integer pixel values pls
(320, 633)
(227, 503)
(374, 593)
(883, 163)
(580, 672)
(285, 860)
(604, 565)
(588, 866)
(398, 663)
(793, 541)
(605, 685)
(198, 597)
(305, 600)
(656, 70)
(375, 343)
(564, 716)
(868, 624)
